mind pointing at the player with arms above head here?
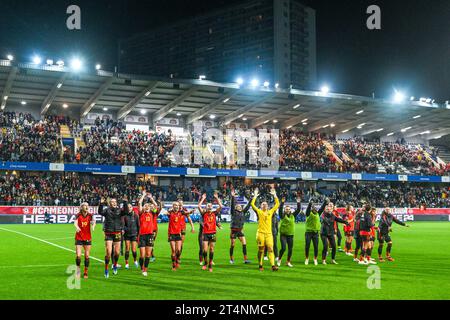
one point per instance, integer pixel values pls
(313, 229)
(238, 217)
(146, 240)
(131, 233)
(156, 212)
(384, 228)
(83, 237)
(112, 227)
(264, 236)
(328, 232)
(210, 224)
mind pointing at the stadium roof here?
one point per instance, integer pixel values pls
(48, 86)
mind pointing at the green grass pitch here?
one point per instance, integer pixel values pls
(31, 269)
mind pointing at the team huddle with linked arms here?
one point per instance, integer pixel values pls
(139, 229)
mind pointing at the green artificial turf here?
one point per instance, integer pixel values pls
(31, 269)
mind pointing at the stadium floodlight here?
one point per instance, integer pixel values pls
(143, 111)
(10, 57)
(59, 85)
(305, 123)
(332, 125)
(24, 103)
(5, 98)
(275, 121)
(438, 137)
(254, 83)
(304, 120)
(405, 129)
(226, 100)
(240, 81)
(360, 111)
(277, 85)
(426, 132)
(65, 105)
(412, 98)
(49, 62)
(244, 119)
(147, 93)
(325, 89)
(266, 84)
(326, 126)
(178, 114)
(241, 115)
(266, 122)
(37, 60)
(202, 77)
(379, 130)
(60, 63)
(76, 64)
(105, 109)
(345, 131)
(98, 66)
(212, 116)
(417, 117)
(289, 127)
(428, 100)
(390, 134)
(399, 97)
(296, 106)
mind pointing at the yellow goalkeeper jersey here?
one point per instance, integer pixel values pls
(265, 217)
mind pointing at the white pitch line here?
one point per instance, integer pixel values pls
(35, 266)
(47, 242)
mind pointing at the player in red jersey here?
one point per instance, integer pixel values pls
(145, 231)
(187, 214)
(209, 228)
(83, 237)
(174, 233)
(349, 229)
(156, 212)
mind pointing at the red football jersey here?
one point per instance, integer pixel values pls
(349, 217)
(84, 223)
(145, 223)
(209, 222)
(183, 219)
(155, 219)
(174, 222)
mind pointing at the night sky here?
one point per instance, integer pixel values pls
(410, 53)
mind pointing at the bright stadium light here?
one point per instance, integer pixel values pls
(266, 122)
(426, 132)
(325, 89)
(360, 111)
(277, 85)
(59, 85)
(405, 129)
(10, 57)
(345, 131)
(254, 83)
(390, 134)
(37, 60)
(266, 84)
(98, 66)
(178, 114)
(226, 100)
(417, 117)
(399, 97)
(296, 106)
(212, 116)
(332, 125)
(412, 98)
(304, 120)
(244, 119)
(76, 64)
(105, 109)
(24, 103)
(60, 63)
(65, 105)
(275, 121)
(143, 111)
(202, 77)
(240, 81)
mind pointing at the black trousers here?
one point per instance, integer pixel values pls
(325, 240)
(289, 241)
(200, 241)
(339, 237)
(314, 237)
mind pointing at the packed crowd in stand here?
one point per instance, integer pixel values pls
(72, 189)
(23, 138)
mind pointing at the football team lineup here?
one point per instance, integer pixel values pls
(144, 264)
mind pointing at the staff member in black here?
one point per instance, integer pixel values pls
(131, 232)
(112, 226)
(238, 217)
(384, 227)
(327, 232)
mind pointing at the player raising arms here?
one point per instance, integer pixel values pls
(313, 229)
(112, 226)
(155, 212)
(264, 235)
(131, 232)
(348, 229)
(287, 227)
(210, 223)
(327, 232)
(384, 227)
(238, 218)
(146, 231)
(83, 237)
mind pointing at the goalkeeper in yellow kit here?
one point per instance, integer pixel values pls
(264, 235)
